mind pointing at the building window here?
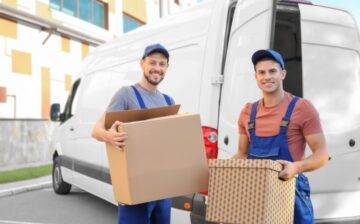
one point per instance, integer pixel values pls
(92, 11)
(130, 23)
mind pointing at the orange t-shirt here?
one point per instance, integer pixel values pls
(303, 121)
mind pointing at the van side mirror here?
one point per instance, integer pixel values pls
(55, 112)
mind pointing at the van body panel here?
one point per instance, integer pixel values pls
(67, 174)
(330, 56)
(327, 15)
(192, 23)
(337, 206)
(319, 27)
(85, 112)
(212, 68)
(245, 38)
(64, 141)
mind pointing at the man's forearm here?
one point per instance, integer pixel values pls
(239, 155)
(313, 162)
(99, 134)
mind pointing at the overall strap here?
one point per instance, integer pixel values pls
(138, 97)
(167, 99)
(286, 119)
(251, 124)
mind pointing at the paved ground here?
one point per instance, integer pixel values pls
(34, 202)
(43, 206)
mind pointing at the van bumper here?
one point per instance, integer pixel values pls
(198, 208)
(350, 220)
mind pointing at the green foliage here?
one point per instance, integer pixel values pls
(24, 173)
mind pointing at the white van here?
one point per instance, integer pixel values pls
(211, 74)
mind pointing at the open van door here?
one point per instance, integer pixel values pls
(331, 80)
(251, 30)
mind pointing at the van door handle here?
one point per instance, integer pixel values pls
(71, 129)
(226, 140)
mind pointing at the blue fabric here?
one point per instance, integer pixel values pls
(139, 98)
(167, 99)
(155, 212)
(141, 101)
(156, 48)
(260, 54)
(125, 99)
(276, 148)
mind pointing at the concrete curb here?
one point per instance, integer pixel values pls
(23, 189)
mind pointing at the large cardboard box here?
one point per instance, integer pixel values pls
(164, 155)
(249, 191)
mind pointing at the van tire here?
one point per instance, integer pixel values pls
(59, 185)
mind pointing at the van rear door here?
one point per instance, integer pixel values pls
(251, 30)
(331, 80)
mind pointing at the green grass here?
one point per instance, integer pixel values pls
(24, 173)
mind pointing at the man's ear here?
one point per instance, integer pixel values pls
(284, 72)
(142, 61)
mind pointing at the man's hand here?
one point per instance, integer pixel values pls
(116, 138)
(289, 170)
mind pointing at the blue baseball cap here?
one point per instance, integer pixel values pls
(156, 48)
(268, 53)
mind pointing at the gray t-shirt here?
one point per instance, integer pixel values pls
(125, 99)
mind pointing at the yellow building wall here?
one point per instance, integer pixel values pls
(21, 62)
(84, 50)
(10, 2)
(65, 44)
(21, 59)
(8, 28)
(135, 8)
(43, 10)
(45, 92)
(68, 82)
(111, 5)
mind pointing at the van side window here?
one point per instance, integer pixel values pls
(71, 102)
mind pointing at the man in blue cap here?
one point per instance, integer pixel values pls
(278, 127)
(141, 95)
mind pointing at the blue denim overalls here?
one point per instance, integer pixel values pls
(276, 148)
(154, 212)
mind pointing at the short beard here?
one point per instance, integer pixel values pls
(152, 82)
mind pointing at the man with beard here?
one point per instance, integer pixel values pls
(142, 95)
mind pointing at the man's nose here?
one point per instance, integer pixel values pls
(267, 75)
(157, 67)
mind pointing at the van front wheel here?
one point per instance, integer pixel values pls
(59, 185)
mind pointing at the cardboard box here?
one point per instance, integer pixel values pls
(164, 155)
(249, 191)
